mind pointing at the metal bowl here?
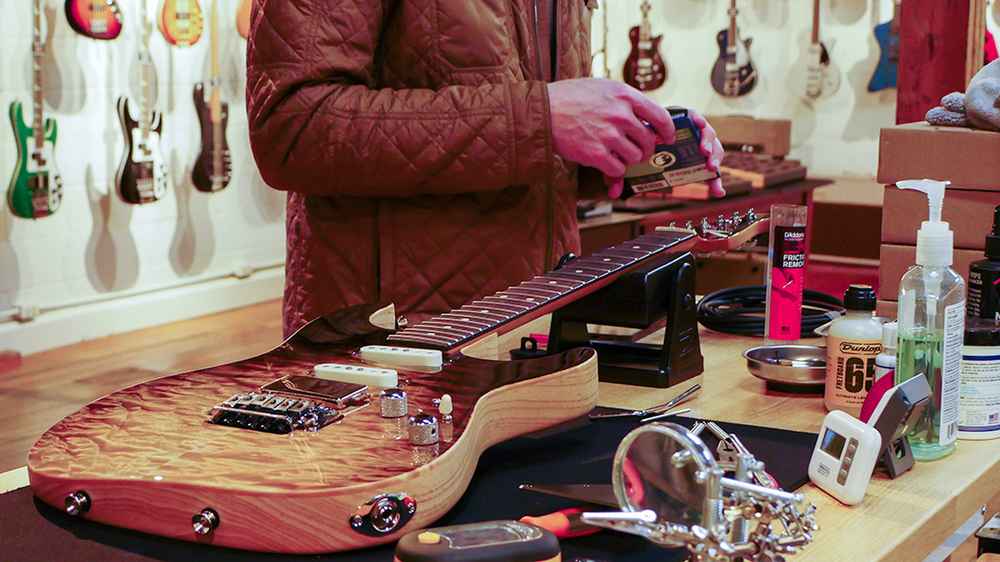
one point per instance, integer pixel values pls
(802, 366)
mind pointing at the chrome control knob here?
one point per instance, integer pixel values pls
(77, 503)
(392, 403)
(205, 522)
(423, 430)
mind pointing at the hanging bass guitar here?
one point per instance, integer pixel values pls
(35, 189)
(644, 69)
(97, 19)
(142, 173)
(734, 74)
(213, 168)
(330, 442)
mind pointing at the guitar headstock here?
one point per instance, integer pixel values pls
(726, 232)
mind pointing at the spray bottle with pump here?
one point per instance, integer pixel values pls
(931, 322)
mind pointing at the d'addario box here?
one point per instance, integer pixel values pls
(671, 165)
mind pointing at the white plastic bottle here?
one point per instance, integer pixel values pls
(885, 362)
(931, 326)
(852, 343)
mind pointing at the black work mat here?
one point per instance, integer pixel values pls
(33, 531)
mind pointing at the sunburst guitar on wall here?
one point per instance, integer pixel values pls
(213, 168)
(644, 68)
(243, 18)
(887, 35)
(333, 440)
(181, 22)
(142, 173)
(733, 74)
(97, 19)
(35, 189)
(815, 76)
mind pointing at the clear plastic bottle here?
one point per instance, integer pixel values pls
(931, 325)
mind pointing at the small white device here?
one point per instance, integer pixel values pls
(844, 457)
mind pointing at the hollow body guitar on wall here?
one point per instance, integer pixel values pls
(35, 189)
(815, 76)
(644, 68)
(181, 22)
(733, 74)
(329, 442)
(97, 19)
(142, 172)
(887, 35)
(213, 167)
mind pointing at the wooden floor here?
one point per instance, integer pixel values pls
(48, 386)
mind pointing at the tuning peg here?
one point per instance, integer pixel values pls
(737, 218)
(673, 224)
(751, 215)
(705, 225)
(689, 225)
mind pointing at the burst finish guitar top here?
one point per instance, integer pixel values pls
(35, 189)
(733, 74)
(97, 19)
(280, 453)
(181, 22)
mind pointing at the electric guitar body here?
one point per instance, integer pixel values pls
(733, 74)
(243, 18)
(97, 19)
(814, 76)
(148, 459)
(885, 73)
(644, 68)
(214, 155)
(35, 189)
(181, 22)
(142, 174)
(287, 452)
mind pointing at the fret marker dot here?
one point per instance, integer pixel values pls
(532, 299)
(502, 296)
(552, 283)
(485, 311)
(579, 271)
(606, 259)
(635, 247)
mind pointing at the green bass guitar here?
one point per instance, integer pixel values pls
(35, 189)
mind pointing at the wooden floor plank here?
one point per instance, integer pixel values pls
(50, 385)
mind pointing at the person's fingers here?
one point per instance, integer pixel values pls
(615, 186)
(718, 153)
(626, 150)
(642, 136)
(652, 113)
(715, 188)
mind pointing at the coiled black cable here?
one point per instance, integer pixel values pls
(741, 310)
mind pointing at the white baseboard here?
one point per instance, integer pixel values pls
(69, 326)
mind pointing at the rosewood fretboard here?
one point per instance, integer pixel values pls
(540, 295)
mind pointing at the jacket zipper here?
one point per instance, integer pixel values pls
(549, 193)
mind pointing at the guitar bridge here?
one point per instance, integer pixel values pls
(291, 403)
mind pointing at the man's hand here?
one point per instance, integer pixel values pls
(599, 123)
(602, 124)
(711, 147)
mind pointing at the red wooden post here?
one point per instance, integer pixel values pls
(932, 50)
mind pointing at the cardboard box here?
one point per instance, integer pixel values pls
(896, 259)
(970, 214)
(768, 136)
(886, 309)
(966, 157)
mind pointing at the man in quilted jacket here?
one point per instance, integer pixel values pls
(432, 150)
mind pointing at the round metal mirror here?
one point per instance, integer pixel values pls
(657, 468)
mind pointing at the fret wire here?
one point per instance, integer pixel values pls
(550, 279)
(445, 326)
(605, 257)
(516, 300)
(638, 246)
(501, 302)
(443, 338)
(545, 289)
(399, 337)
(530, 297)
(483, 311)
(595, 265)
(464, 318)
(625, 254)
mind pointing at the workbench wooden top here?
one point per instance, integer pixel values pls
(899, 520)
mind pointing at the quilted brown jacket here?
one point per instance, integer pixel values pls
(413, 139)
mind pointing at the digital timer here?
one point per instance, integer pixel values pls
(844, 456)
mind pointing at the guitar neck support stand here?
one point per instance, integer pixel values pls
(662, 289)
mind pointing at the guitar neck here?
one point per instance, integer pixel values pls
(815, 29)
(515, 306)
(37, 97)
(145, 70)
(645, 29)
(733, 11)
(215, 102)
(896, 8)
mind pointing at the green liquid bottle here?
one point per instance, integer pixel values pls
(931, 328)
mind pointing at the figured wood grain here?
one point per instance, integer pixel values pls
(150, 445)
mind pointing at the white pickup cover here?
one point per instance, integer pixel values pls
(402, 356)
(357, 374)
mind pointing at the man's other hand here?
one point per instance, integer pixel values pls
(711, 147)
(599, 123)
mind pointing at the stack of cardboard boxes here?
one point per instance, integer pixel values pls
(970, 160)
